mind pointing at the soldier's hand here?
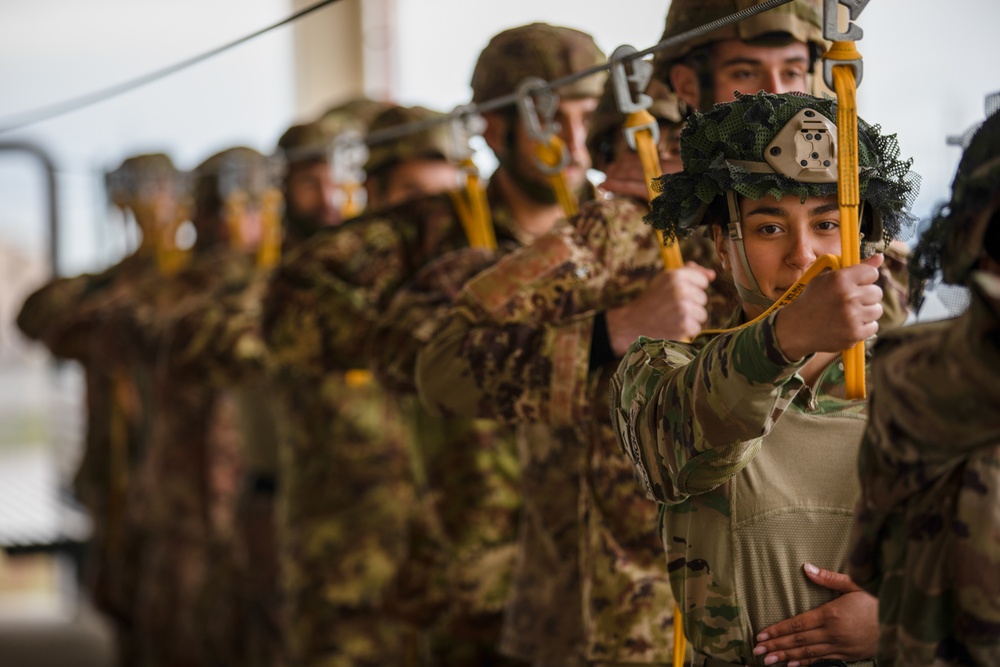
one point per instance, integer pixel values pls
(835, 310)
(672, 307)
(842, 629)
(625, 176)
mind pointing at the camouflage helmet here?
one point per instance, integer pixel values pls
(607, 121)
(434, 142)
(354, 115)
(305, 142)
(968, 225)
(800, 20)
(537, 50)
(779, 145)
(141, 176)
(235, 172)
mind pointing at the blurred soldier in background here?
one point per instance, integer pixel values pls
(73, 318)
(416, 165)
(187, 483)
(926, 536)
(323, 305)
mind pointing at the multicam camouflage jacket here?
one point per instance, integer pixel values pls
(926, 538)
(517, 346)
(755, 470)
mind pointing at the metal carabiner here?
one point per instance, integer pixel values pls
(465, 123)
(832, 32)
(537, 118)
(642, 72)
(348, 153)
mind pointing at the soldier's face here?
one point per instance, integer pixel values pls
(309, 194)
(735, 66)
(518, 154)
(782, 238)
(412, 179)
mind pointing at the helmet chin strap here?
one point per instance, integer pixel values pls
(751, 293)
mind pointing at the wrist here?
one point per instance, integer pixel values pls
(788, 337)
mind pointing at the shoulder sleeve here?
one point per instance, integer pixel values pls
(516, 344)
(691, 419)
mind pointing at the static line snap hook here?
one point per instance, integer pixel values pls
(465, 124)
(537, 105)
(640, 75)
(831, 24)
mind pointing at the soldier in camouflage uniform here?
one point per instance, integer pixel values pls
(519, 345)
(190, 475)
(925, 537)
(72, 316)
(745, 436)
(326, 300)
(526, 358)
(414, 166)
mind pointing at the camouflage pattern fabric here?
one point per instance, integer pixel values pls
(320, 312)
(185, 497)
(73, 318)
(720, 432)
(925, 539)
(516, 346)
(464, 537)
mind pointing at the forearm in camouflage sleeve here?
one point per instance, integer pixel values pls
(323, 300)
(58, 316)
(689, 420)
(415, 312)
(517, 344)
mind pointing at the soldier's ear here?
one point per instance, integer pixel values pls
(721, 247)
(684, 80)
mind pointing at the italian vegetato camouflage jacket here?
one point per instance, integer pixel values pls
(74, 318)
(516, 346)
(926, 538)
(319, 316)
(464, 540)
(756, 472)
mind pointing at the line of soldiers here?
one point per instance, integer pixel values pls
(331, 436)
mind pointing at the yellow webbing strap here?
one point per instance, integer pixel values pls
(269, 251)
(551, 155)
(680, 641)
(357, 377)
(650, 158)
(351, 207)
(169, 258)
(474, 209)
(672, 259)
(822, 263)
(848, 193)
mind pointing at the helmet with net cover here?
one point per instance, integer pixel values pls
(537, 50)
(969, 225)
(780, 145)
(607, 121)
(354, 115)
(798, 20)
(434, 142)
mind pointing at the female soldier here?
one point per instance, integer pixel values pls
(746, 436)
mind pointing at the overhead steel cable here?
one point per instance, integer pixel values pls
(398, 131)
(60, 108)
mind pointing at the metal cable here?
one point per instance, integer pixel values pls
(60, 108)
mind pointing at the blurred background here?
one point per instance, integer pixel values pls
(928, 67)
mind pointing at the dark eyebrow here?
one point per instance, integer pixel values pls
(825, 208)
(768, 210)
